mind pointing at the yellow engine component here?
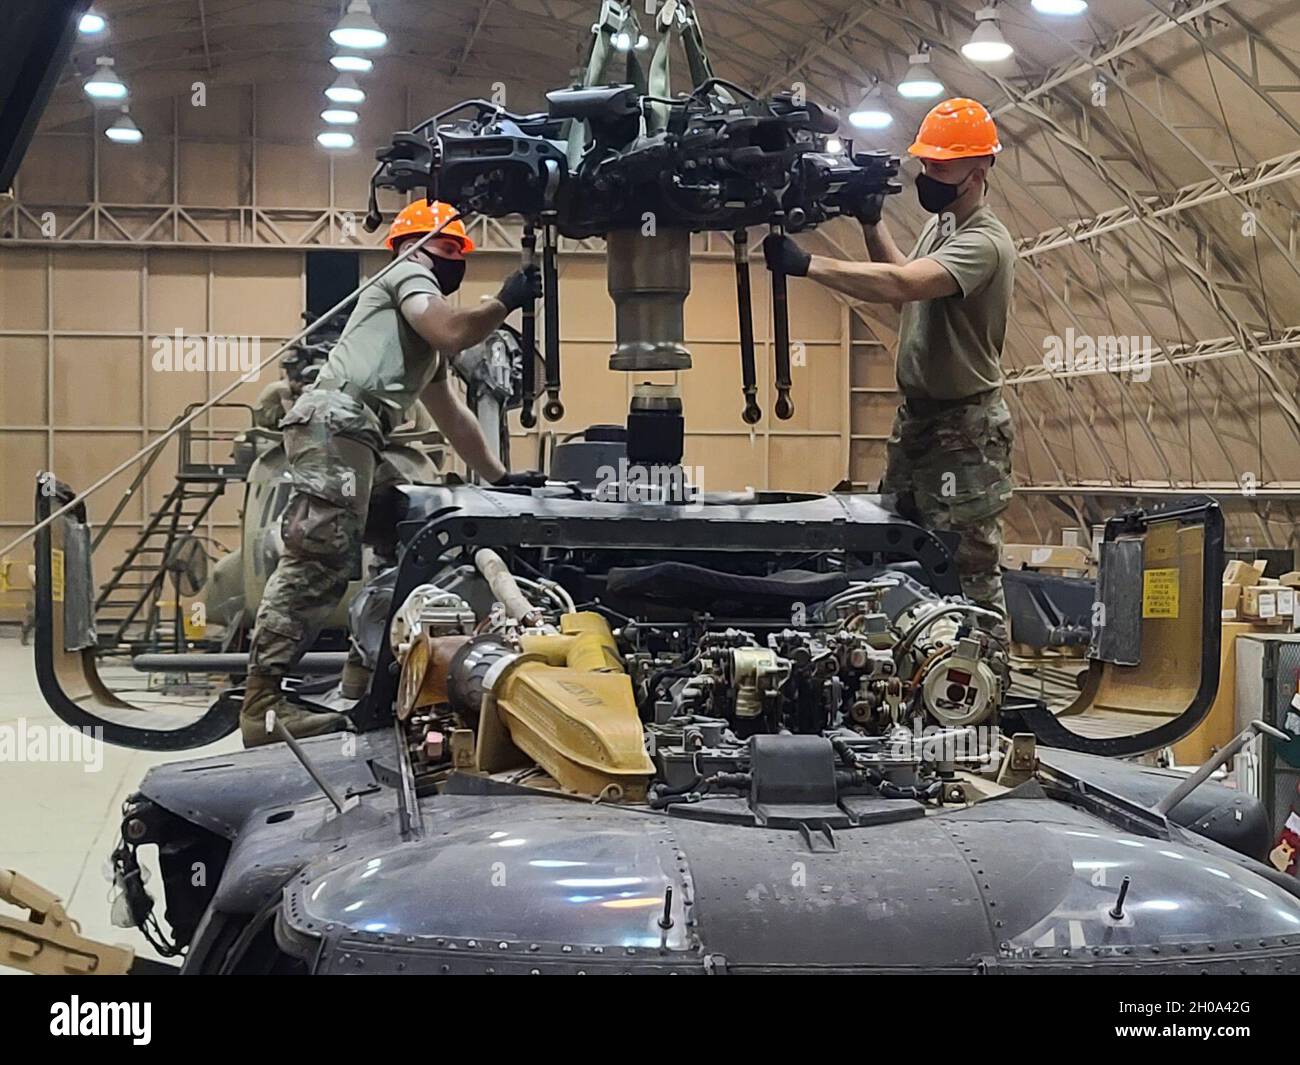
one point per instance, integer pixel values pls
(423, 680)
(584, 643)
(568, 705)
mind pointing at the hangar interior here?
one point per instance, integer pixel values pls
(201, 169)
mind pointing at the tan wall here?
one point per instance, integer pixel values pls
(80, 393)
(78, 312)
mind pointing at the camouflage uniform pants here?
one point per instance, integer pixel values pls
(333, 444)
(950, 470)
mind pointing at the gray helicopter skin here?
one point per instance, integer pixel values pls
(501, 880)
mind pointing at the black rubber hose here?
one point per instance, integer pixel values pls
(662, 797)
(887, 788)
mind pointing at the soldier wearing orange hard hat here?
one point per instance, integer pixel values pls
(392, 353)
(949, 455)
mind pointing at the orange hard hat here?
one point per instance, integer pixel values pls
(957, 129)
(424, 217)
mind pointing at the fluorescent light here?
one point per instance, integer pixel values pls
(345, 90)
(358, 29)
(871, 118)
(335, 139)
(352, 64)
(104, 84)
(124, 131)
(834, 145)
(986, 44)
(1060, 7)
(91, 24)
(919, 83)
(339, 116)
(870, 112)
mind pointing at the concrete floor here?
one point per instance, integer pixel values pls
(58, 822)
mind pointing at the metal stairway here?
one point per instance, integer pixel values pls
(129, 608)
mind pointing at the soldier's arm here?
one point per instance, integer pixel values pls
(881, 246)
(270, 407)
(447, 328)
(923, 279)
(462, 430)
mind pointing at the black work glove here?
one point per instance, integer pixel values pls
(784, 256)
(523, 286)
(869, 209)
(520, 479)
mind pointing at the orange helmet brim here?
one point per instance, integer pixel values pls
(467, 245)
(929, 151)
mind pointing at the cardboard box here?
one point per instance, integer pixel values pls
(1286, 602)
(1232, 597)
(1245, 574)
(1268, 607)
(1259, 603)
(1290, 580)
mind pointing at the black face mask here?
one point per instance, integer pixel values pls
(936, 196)
(449, 272)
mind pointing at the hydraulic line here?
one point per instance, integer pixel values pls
(505, 587)
(857, 774)
(942, 612)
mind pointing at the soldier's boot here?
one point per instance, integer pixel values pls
(262, 694)
(356, 679)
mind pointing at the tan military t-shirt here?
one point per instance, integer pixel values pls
(951, 348)
(379, 351)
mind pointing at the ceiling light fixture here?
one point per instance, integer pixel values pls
(335, 139)
(1060, 7)
(339, 116)
(124, 130)
(986, 44)
(104, 84)
(358, 28)
(870, 114)
(91, 24)
(352, 64)
(920, 83)
(345, 90)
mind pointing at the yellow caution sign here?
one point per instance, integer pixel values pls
(1160, 593)
(56, 575)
